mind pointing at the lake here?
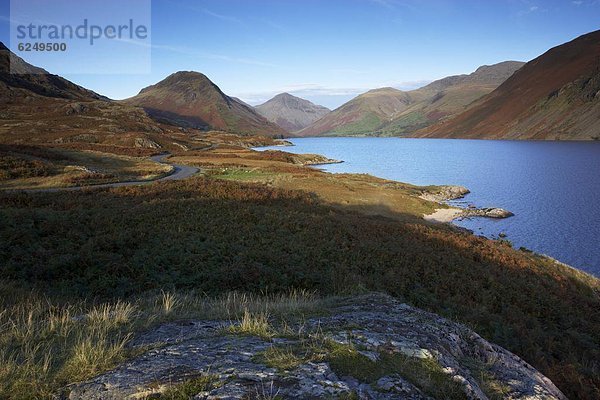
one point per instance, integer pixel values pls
(552, 187)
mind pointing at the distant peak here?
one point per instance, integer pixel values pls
(188, 75)
(385, 89)
(285, 95)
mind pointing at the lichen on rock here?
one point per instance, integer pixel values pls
(367, 347)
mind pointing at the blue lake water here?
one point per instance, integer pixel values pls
(552, 187)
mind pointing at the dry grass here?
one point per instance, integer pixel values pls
(45, 345)
(31, 167)
(253, 324)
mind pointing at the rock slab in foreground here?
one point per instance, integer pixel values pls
(375, 325)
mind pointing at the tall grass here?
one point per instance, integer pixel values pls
(218, 236)
(45, 345)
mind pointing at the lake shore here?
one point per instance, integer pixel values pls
(444, 215)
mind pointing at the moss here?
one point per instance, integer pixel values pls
(492, 387)
(187, 389)
(283, 358)
(426, 374)
(346, 360)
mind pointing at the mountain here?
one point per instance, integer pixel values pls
(188, 98)
(365, 113)
(555, 96)
(20, 75)
(39, 107)
(449, 96)
(390, 111)
(290, 112)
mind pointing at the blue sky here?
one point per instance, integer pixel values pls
(331, 50)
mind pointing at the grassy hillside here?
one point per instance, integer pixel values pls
(555, 96)
(391, 112)
(215, 236)
(363, 114)
(190, 99)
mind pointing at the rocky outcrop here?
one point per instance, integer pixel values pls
(444, 193)
(391, 351)
(486, 212)
(146, 143)
(316, 159)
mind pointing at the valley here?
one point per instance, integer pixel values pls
(132, 229)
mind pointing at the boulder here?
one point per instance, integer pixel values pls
(368, 327)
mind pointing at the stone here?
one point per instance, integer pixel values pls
(146, 143)
(374, 324)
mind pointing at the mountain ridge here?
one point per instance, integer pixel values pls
(389, 111)
(554, 96)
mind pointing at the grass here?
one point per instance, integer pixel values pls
(189, 388)
(14, 167)
(217, 236)
(283, 358)
(426, 374)
(346, 360)
(25, 167)
(45, 345)
(253, 325)
(236, 174)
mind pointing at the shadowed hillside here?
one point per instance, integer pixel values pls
(214, 236)
(190, 99)
(38, 107)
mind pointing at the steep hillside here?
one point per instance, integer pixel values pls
(37, 107)
(290, 112)
(449, 96)
(364, 114)
(22, 75)
(392, 112)
(555, 96)
(190, 99)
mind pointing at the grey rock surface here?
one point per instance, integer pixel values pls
(375, 324)
(444, 193)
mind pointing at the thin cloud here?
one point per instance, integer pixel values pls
(200, 54)
(222, 17)
(206, 11)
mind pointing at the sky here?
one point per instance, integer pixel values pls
(328, 51)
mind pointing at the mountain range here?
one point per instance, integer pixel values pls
(390, 111)
(555, 96)
(290, 112)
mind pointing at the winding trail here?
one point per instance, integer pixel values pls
(179, 172)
